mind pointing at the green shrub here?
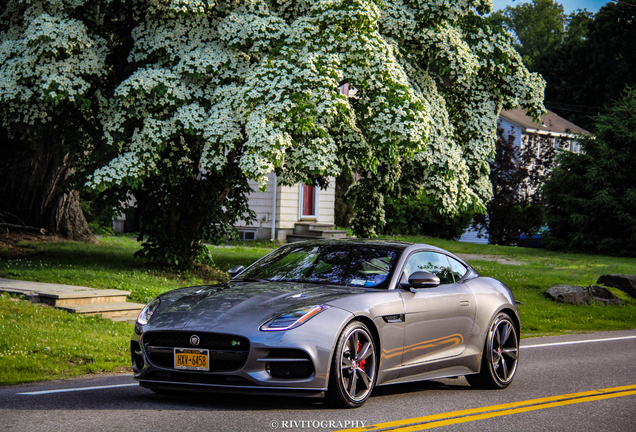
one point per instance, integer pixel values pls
(419, 216)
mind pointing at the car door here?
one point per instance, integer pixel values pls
(438, 321)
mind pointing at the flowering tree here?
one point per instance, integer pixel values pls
(56, 65)
(229, 90)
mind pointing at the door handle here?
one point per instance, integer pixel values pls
(464, 303)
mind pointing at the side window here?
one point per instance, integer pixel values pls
(457, 268)
(430, 262)
(370, 267)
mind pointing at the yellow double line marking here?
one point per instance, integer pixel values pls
(464, 416)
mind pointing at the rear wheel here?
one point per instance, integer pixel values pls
(353, 369)
(500, 356)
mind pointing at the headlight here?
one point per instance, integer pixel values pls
(147, 311)
(293, 319)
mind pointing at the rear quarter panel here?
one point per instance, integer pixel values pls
(492, 296)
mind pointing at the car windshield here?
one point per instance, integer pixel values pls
(332, 264)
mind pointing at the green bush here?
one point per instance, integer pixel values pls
(419, 216)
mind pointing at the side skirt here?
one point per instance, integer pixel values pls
(466, 364)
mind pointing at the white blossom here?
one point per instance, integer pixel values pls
(260, 81)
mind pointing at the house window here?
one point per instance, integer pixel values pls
(246, 235)
(308, 206)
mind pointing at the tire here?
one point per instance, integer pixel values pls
(353, 368)
(500, 356)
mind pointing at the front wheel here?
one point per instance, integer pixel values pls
(353, 368)
(500, 356)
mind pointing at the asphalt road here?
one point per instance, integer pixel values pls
(581, 386)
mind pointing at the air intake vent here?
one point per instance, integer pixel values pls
(290, 369)
(137, 358)
(289, 363)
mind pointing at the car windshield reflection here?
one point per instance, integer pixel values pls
(327, 264)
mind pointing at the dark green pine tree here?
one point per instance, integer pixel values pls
(591, 197)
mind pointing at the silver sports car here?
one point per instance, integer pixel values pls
(331, 319)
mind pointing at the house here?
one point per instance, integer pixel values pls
(558, 128)
(292, 213)
(298, 212)
(559, 132)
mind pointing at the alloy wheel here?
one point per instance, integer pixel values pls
(358, 365)
(504, 350)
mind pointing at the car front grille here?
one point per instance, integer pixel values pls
(227, 352)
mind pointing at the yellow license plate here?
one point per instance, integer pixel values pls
(191, 359)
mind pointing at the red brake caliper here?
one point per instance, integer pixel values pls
(361, 363)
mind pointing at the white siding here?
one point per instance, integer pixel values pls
(261, 203)
(327, 203)
(507, 127)
(287, 202)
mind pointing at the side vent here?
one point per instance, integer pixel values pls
(398, 318)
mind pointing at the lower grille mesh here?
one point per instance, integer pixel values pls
(227, 352)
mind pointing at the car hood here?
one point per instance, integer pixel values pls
(239, 305)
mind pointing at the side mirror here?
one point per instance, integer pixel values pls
(235, 270)
(422, 279)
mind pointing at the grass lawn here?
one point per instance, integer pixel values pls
(110, 264)
(39, 343)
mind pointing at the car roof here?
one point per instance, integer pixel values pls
(353, 241)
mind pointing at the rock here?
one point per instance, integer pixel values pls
(579, 295)
(576, 295)
(604, 295)
(626, 283)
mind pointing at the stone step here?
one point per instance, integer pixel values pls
(328, 233)
(79, 297)
(110, 303)
(107, 310)
(303, 228)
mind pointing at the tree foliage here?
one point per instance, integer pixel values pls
(591, 196)
(210, 94)
(517, 173)
(56, 59)
(593, 64)
(586, 59)
(539, 27)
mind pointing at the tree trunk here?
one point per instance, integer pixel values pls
(32, 190)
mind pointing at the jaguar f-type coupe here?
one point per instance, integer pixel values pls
(332, 319)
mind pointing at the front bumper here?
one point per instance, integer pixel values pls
(292, 362)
